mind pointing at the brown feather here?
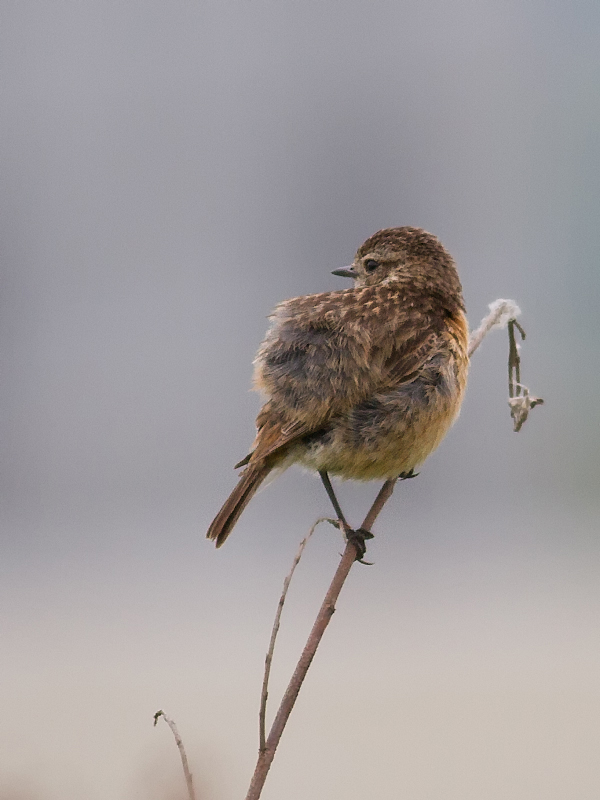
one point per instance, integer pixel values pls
(237, 501)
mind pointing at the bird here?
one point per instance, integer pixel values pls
(361, 383)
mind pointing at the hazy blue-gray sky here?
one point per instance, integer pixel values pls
(170, 172)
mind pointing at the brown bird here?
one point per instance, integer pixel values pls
(365, 382)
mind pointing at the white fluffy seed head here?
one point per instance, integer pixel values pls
(503, 311)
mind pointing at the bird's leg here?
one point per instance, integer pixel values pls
(334, 501)
(357, 537)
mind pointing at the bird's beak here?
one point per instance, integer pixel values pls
(346, 272)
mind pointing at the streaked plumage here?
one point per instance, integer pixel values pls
(364, 382)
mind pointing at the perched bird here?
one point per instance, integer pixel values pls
(365, 382)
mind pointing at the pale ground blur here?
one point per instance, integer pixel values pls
(170, 172)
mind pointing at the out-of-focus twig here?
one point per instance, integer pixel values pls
(179, 743)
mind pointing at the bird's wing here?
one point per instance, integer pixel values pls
(407, 355)
(327, 353)
(314, 362)
(273, 434)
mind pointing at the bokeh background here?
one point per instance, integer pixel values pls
(170, 172)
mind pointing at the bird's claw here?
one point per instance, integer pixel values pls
(359, 538)
(405, 476)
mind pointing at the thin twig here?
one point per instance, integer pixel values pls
(269, 657)
(384, 495)
(179, 743)
(266, 755)
(514, 359)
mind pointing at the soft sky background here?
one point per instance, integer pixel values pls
(171, 170)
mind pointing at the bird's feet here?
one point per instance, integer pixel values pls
(358, 538)
(405, 476)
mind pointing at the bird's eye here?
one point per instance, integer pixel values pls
(371, 265)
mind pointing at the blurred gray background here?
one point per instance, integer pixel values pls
(172, 170)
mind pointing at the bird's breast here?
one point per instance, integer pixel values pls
(392, 432)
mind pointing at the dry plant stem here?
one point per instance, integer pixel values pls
(274, 632)
(266, 755)
(384, 495)
(514, 359)
(519, 399)
(179, 743)
(502, 314)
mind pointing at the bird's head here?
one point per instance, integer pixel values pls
(408, 255)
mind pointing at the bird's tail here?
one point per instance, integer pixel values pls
(237, 501)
